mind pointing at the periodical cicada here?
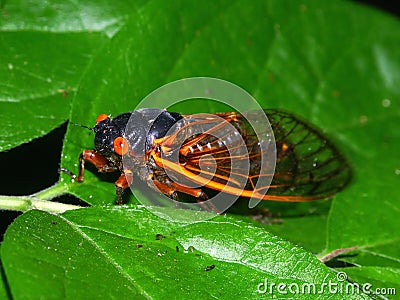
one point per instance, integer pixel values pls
(308, 165)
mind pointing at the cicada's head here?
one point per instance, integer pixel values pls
(109, 138)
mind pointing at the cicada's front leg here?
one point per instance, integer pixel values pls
(103, 165)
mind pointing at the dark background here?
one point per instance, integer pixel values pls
(32, 167)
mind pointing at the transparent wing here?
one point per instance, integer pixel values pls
(308, 164)
(227, 155)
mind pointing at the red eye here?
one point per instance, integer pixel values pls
(101, 117)
(121, 146)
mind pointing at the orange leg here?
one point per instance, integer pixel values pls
(98, 160)
(122, 183)
(103, 165)
(198, 193)
(165, 189)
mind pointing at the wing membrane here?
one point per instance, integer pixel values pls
(308, 164)
(211, 153)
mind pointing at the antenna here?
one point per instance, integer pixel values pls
(80, 125)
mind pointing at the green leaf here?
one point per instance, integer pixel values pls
(381, 281)
(93, 253)
(38, 85)
(336, 64)
(3, 288)
(46, 49)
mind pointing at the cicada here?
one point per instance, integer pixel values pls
(308, 165)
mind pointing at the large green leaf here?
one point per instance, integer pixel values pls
(334, 63)
(46, 49)
(130, 253)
